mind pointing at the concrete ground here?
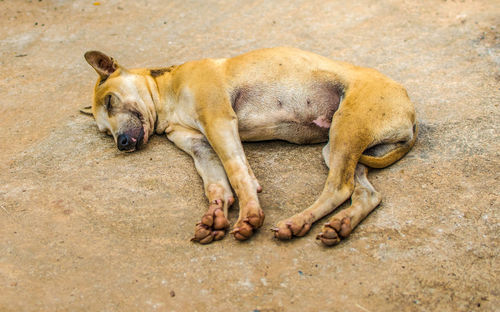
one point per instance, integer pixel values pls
(84, 227)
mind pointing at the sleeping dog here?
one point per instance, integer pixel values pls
(208, 107)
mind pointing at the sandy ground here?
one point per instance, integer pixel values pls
(84, 227)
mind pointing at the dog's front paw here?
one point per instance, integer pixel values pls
(213, 224)
(334, 230)
(297, 225)
(247, 224)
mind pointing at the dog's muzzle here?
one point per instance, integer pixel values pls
(129, 142)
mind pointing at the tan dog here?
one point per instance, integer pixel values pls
(208, 107)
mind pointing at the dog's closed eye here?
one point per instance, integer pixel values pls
(107, 102)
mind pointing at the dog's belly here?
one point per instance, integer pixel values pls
(292, 112)
(285, 94)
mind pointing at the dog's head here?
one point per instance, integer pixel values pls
(123, 103)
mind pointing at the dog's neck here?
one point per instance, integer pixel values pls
(159, 87)
(155, 96)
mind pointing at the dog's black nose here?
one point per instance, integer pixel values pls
(125, 142)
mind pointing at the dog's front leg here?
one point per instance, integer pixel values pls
(214, 222)
(222, 133)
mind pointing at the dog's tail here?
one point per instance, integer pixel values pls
(383, 155)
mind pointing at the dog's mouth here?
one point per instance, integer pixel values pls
(140, 139)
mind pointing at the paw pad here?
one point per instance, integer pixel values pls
(298, 225)
(212, 225)
(245, 228)
(334, 230)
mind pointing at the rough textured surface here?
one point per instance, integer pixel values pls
(84, 227)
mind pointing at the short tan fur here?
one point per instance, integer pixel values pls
(208, 107)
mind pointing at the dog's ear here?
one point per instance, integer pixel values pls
(104, 65)
(87, 110)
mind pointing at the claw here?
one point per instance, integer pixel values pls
(275, 229)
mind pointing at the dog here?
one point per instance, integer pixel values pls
(208, 107)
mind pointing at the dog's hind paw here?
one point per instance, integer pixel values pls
(212, 226)
(297, 225)
(334, 230)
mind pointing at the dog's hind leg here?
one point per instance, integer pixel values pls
(214, 222)
(347, 143)
(363, 200)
